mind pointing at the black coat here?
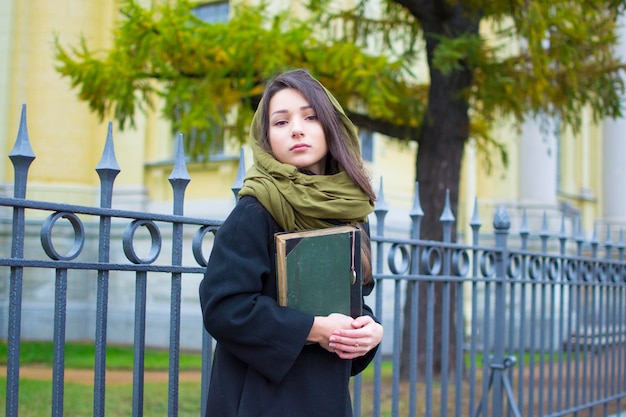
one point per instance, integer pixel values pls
(262, 364)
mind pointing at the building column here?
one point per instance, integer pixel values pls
(8, 112)
(614, 155)
(538, 163)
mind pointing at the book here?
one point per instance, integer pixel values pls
(319, 270)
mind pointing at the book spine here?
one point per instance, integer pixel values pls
(281, 266)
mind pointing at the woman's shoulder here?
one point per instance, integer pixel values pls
(249, 212)
(248, 201)
(249, 204)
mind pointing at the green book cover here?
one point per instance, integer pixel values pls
(319, 271)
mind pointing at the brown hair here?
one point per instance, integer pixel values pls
(342, 154)
(343, 150)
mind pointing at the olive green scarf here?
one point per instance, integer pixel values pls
(298, 201)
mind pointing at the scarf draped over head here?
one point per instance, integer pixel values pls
(298, 201)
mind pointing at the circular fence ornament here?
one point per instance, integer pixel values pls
(487, 264)
(405, 259)
(196, 245)
(460, 263)
(570, 268)
(46, 236)
(603, 271)
(155, 241)
(432, 260)
(587, 270)
(535, 263)
(553, 267)
(514, 266)
(616, 273)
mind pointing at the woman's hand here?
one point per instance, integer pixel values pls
(324, 327)
(363, 335)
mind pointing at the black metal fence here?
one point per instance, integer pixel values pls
(65, 258)
(525, 331)
(536, 331)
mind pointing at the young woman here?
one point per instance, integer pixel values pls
(271, 360)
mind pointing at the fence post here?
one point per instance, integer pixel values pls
(498, 376)
(447, 221)
(179, 179)
(475, 223)
(380, 210)
(107, 170)
(501, 224)
(21, 156)
(416, 214)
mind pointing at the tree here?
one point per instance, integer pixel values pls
(546, 58)
(565, 62)
(210, 75)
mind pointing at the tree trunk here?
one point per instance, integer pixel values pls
(438, 166)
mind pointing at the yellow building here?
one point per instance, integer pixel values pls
(560, 175)
(556, 174)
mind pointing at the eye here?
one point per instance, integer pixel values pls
(311, 117)
(280, 122)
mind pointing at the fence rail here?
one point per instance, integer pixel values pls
(506, 325)
(63, 262)
(502, 330)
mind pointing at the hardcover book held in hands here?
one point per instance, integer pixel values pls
(319, 270)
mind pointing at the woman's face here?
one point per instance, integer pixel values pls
(295, 134)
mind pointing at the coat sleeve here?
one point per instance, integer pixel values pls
(238, 295)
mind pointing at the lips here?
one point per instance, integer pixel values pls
(299, 147)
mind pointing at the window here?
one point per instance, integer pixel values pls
(213, 12)
(367, 145)
(202, 145)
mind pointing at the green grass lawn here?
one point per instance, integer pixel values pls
(35, 396)
(81, 356)
(35, 399)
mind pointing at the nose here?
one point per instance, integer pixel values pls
(296, 131)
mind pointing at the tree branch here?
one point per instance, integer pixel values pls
(382, 126)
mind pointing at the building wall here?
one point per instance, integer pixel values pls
(64, 136)
(68, 140)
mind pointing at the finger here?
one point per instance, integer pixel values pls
(361, 321)
(353, 342)
(348, 355)
(345, 344)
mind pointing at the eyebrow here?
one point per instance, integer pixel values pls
(286, 111)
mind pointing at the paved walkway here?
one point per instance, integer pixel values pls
(85, 376)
